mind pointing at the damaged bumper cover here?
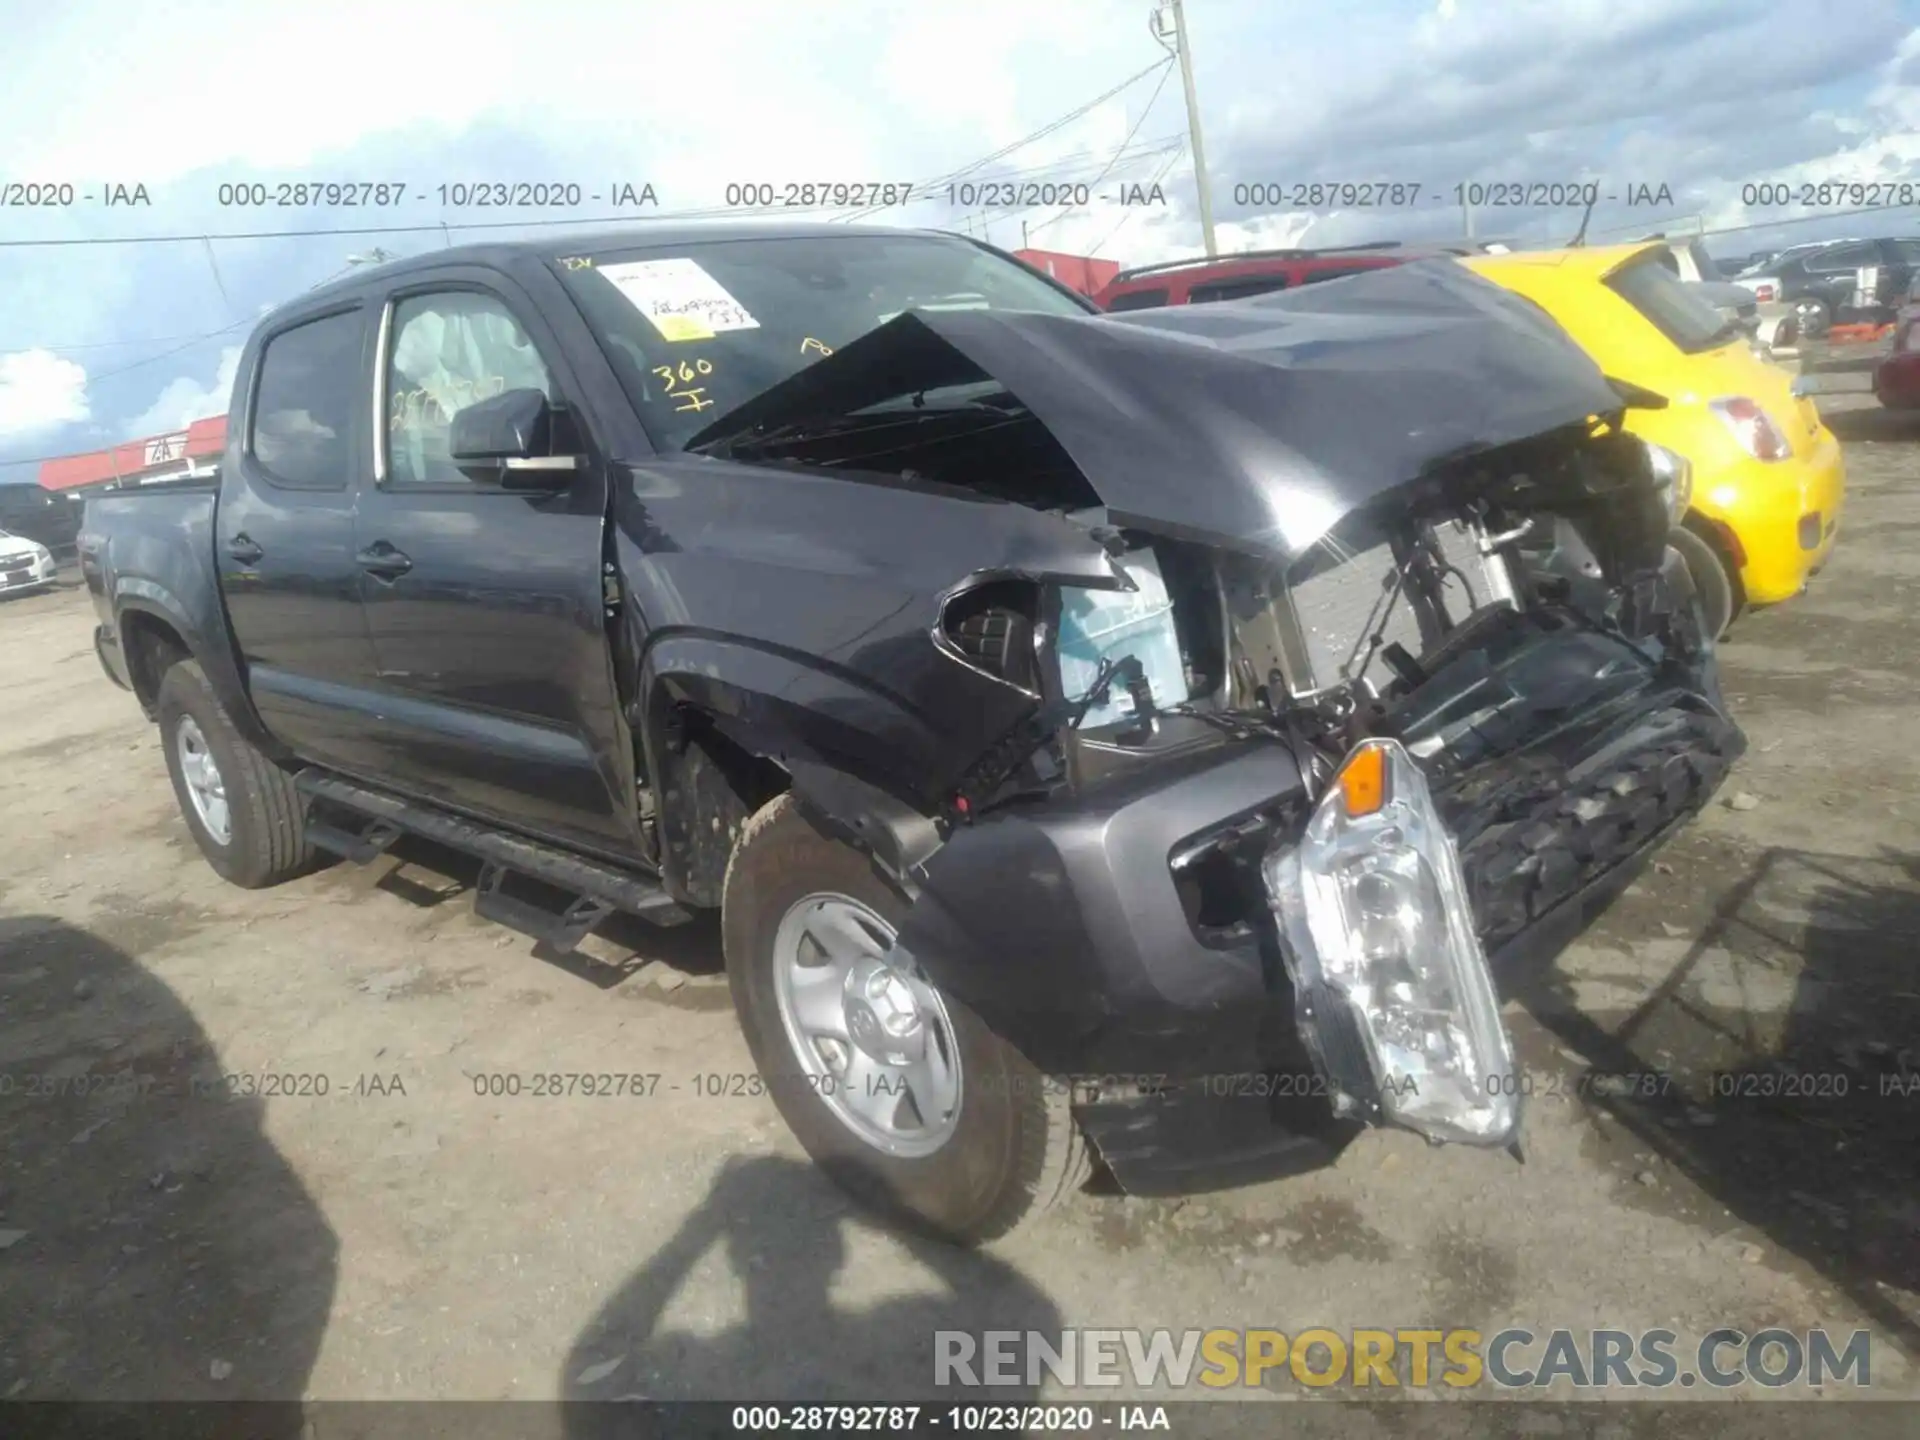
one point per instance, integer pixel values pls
(1067, 928)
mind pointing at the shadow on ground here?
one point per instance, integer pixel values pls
(153, 1243)
(785, 1232)
(1781, 1050)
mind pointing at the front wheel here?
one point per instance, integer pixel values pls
(1713, 583)
(241, 807)
(899, 1092)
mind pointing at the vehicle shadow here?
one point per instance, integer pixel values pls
(787, 1233)
(154, 1245)
(1774, 1062)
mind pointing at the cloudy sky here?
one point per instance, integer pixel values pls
(107, 341)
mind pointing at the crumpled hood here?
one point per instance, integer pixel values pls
(1255, 425)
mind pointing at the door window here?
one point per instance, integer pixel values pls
(1842, 257)
(303, 404)
(449, 350)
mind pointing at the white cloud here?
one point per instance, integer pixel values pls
(38, 391)
(185, 399)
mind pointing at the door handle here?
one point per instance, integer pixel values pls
(242, 548)
(382, 560)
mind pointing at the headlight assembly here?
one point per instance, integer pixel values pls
(1394, 992)
(1674, 475)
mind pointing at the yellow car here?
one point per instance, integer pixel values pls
(1767, 478)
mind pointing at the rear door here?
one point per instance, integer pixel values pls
(485, 605)
(284, 535)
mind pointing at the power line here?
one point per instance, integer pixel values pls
(169, 354)
(1048, 129)
(1166, 69)
(1045, 130)
(100, 344)
(1158, 176)
(445, 227)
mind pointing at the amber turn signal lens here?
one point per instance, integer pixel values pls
(1363, 780)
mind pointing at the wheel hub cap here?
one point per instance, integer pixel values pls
(883, 1017)
(871, 1035)
(206, 787)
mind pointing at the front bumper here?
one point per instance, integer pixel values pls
(26, 573)
(1063, 927)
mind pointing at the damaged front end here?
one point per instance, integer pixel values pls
(1388, 671)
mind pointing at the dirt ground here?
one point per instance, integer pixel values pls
(404, 1235)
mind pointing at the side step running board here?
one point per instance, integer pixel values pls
(600, 890)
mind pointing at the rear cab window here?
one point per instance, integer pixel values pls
(1149, 299)
(1668, 305)
(1240, 288)
(694, 331)
(1333, 272)
(304, 399)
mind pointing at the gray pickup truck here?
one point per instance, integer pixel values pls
(1143, 739)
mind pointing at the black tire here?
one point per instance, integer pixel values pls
(1016, 1149)
(1713, 583)
(267, 820)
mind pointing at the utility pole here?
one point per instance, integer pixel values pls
(1177, 32)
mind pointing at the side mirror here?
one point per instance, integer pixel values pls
(511, 433)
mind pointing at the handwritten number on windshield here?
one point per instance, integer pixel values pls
(679, 382)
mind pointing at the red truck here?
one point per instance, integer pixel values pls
(1235, 277)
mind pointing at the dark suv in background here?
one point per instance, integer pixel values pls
(1846, 280)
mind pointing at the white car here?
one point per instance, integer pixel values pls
(24, 564)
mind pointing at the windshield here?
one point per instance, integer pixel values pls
(695, 330)
(1670, 305)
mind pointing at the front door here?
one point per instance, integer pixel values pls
(284, 538)
(485, 605)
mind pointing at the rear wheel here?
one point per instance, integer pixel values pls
(1713, 582)
(241, 807)
(898, 1091)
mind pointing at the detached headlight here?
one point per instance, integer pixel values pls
(1394, 993)
(1674, 474)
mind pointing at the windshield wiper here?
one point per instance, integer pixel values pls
(865, 420)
